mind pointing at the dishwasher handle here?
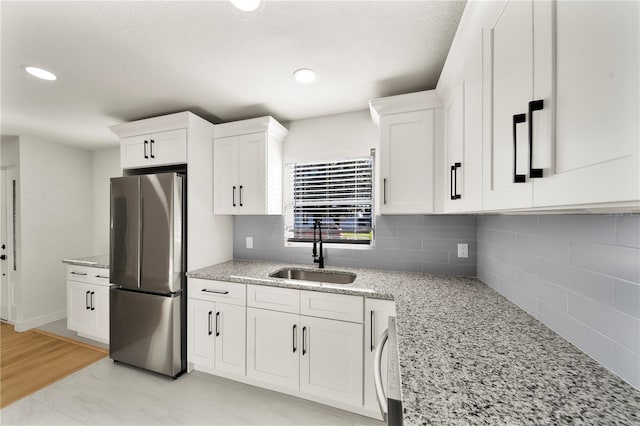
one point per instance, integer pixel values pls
(377, 373)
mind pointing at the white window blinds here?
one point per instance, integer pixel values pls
(339, 193)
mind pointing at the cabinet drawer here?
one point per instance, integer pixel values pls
(218, 291)
(274, 298)
(334, 306)
(86, 274)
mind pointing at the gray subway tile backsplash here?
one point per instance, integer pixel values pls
(413, 243)
(583, 271)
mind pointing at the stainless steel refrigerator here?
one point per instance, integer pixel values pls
(148, 301)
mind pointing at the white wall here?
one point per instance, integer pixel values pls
(10, 159)
(56, 216)
(105, 164)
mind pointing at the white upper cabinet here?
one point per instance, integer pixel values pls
(156, 149)
(562, 82)
(463, 136)
(594, 155)
(408, 126)
(247, 167)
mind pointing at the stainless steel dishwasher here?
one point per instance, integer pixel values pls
(391, 403)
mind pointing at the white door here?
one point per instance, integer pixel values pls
(225, 175)
(331, 359)
(595, 157)
(168, 147)
(273, 345)
(377, 313)
(134, 152)
(508, 81)
(79, 315)
(100, 304)
(251, 172)
(5, 237)
(202, 335)
(230, 338)
(406, 168)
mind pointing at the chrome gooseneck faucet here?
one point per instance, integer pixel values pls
(319, 259)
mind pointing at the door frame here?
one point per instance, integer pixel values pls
(8, 236)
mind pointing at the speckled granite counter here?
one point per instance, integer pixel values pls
(469, 356)
(101, 261)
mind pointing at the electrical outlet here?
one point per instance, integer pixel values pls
(249, 242)
(463, 250)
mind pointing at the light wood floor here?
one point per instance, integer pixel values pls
(31, 360)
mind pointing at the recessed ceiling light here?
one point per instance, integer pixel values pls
(246, 5)
(40, 73)
(304, 75)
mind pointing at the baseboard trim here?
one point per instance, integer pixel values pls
(38, 321)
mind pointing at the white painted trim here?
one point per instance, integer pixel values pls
(409, 102)
(253, 125)
(41, 320)
(179, 120)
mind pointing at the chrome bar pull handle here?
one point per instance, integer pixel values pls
(93, 308)
(377, 373)
(151, 150)
(217, 324)
(86, 300)
(233, 196)
(146, 156)
(209, 323)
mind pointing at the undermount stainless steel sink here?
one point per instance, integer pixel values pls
(333, 277)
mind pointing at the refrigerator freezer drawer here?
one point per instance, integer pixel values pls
(146, 331)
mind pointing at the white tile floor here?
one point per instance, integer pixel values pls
(106, 393)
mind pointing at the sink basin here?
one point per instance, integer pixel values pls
(333, 277)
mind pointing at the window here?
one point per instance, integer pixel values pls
(339, 193)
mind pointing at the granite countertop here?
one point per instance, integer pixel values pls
(470, 356)
(100, 261)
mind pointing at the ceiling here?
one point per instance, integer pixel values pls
(123, 61)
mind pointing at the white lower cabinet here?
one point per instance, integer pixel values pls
(331, 359)
(88, 302)
(218, 336)
(311, 344)
(273, 347)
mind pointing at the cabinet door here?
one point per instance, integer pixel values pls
(508, 82)
(79, 315)
(225, 175)
(273, 344)
(377, 313)
(134, 152)
(202, 332)
(252, 174)
(100, 306)
(230, 338)
(454, 150)
(331, 359)
(168, 147)
(595, 156)
(406, 156)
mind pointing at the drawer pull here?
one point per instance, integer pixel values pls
(206, 290)
(78, 273)
(102, 276)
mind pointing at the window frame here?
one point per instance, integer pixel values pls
(289, 199)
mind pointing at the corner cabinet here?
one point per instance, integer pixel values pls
(88, 302)
(409, 126)
(247, 167)
(562, 80)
